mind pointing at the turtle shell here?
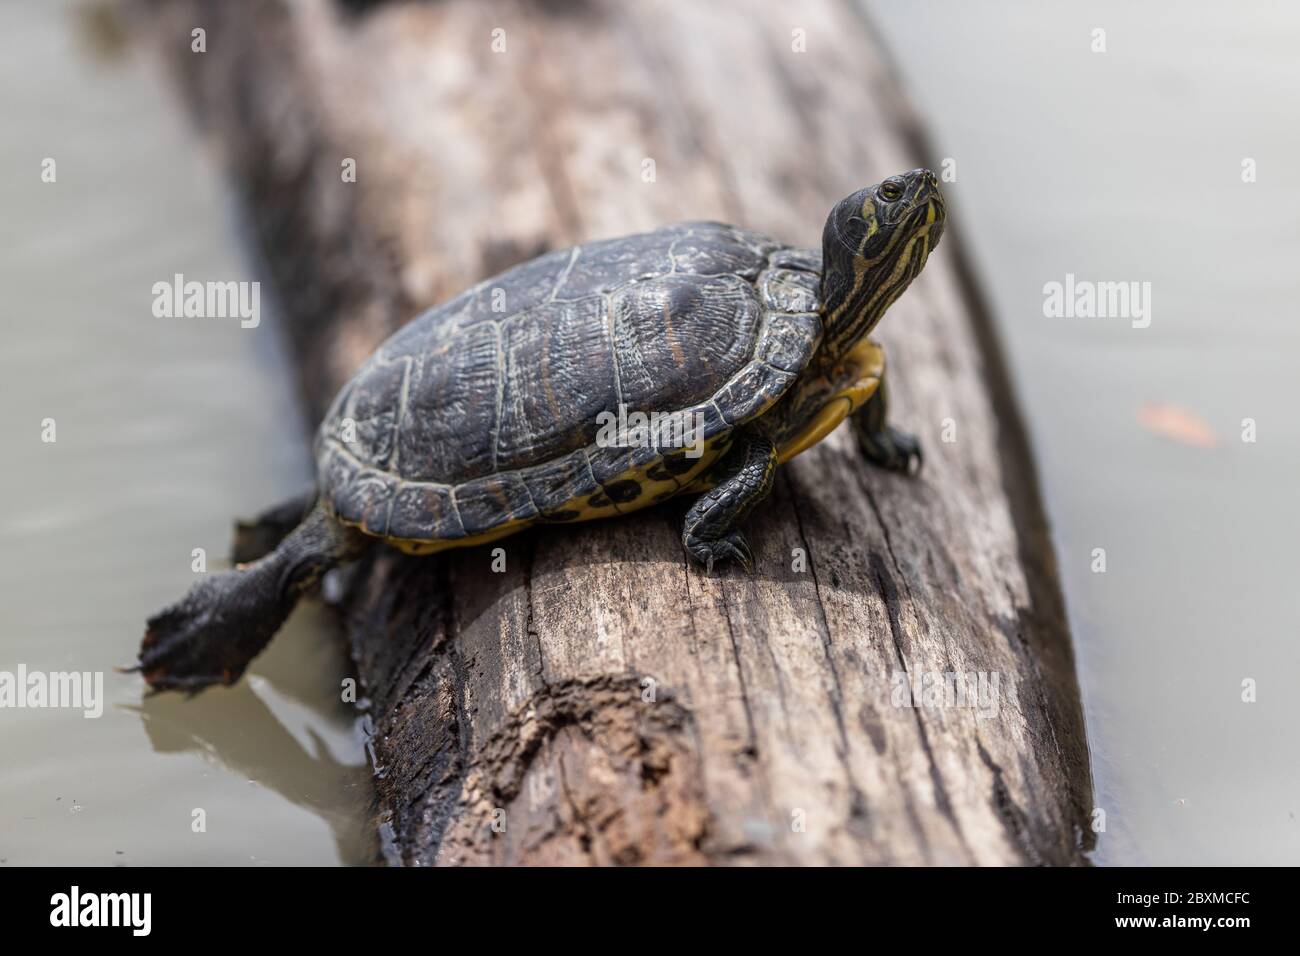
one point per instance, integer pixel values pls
(481, 415)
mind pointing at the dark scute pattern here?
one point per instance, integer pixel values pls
(559, 365)
(714, 423)
(451, 410)
(374, 491)
(523, 287)
(711, 249)
(554, 484)
(329, 425)
(364, 500)
(789, 340)
(758, 245)
(559, 351)
(374, 405)
(805, 260)
(606, 265)
(425, 512)
(784, 290)
(708, 248)
(679, 338)
(526, 286)
(358, 495)
(488, 502)
(609, 464)
(333, 470)
(752, 391)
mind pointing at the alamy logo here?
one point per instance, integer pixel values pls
(659, 430)
(968, 690)
(103, 909)
(56, 689)
(208, 300)
(1083, 299)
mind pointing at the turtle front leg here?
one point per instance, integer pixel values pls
(741, 479)
(882, 443)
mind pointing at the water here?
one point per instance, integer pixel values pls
(165, 429)
(1126, 166)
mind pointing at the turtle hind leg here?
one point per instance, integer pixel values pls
(259, 537)
(882, 443)
(741, 480)
(211, 634)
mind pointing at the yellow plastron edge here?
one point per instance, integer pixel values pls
(868, 358)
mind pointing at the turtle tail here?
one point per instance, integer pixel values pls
(227, 618)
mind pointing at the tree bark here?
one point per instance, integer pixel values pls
(602, 700)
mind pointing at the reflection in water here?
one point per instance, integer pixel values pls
(166, 429)
(216, 725)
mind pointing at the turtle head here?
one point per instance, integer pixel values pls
(874, 244)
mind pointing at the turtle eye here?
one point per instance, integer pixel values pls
(891, 191)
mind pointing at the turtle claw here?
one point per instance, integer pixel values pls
(909, 449)
(730, 547)
(892, 450)
(740, 551)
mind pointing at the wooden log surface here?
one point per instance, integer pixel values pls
(602, 700)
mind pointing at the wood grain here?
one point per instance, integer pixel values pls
(601, 698)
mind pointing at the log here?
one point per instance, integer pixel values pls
(602, 700)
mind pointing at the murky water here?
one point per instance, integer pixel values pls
(164, 429)
(1127, 166)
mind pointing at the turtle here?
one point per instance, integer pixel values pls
(493, 411)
